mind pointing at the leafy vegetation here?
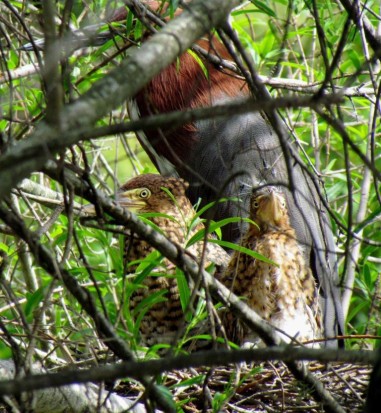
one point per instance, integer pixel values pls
(300, 48)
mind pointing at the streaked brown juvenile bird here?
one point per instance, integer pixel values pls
(284, 293)
(150, 193)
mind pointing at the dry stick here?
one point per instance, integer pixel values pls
(50, 70)
(28, 271)
(43, 194)
(211, 358)
(294, 85)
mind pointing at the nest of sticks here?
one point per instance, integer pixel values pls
(267, 387)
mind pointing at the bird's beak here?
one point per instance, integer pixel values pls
(275, 206)
(270, 210)
(125, 199)
(129, 200)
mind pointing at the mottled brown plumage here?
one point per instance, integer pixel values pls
(284, 294)
(150, 193)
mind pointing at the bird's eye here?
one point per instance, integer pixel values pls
(145, 193)
(255, 204)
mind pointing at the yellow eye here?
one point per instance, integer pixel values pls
(255, 203)
(145, 193)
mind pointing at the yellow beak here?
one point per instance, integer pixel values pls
(269, 210)
(130, 200)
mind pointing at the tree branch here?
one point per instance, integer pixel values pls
(213, 358)
(114, 89)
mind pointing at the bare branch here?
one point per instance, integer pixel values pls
(213, 358)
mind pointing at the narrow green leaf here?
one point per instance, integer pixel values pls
(34, 300)
(190, 382)
(263, 7)
(243, 250)
(145, 305)
(214, 226)
(212, 204)
(129, 21)
(200, 63)
(167, 395)
(369, 219)
(184, 293)
(138, 30)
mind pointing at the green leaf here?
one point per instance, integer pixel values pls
(5, 352)
(149, 222)
(200, 62)
(262, 7)
(243, 250)
(156, 348)
(82, 334)
(214, 226)
(145, 305)
(369, 219)
(173, 6)
(129, 21)
(34, 300)
(146, 265)
(358, 307)
(4, 247)
(212, 204)
(355, 59)
(167, 395)
(190, 382)
(184, 293)
(13, 62)
(138, 32)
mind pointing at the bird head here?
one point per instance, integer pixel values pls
(268, 208)
(151, 193)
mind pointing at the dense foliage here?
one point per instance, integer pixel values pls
(300, 48)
